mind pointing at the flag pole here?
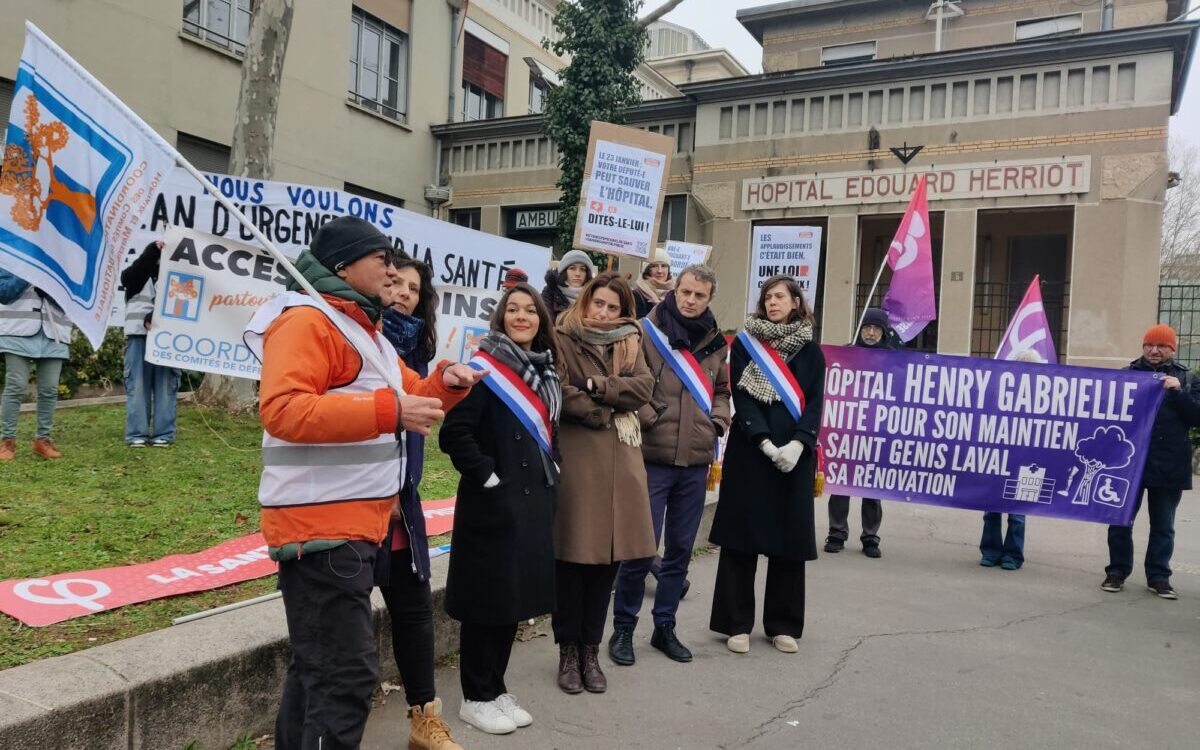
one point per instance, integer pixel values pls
(854, 335)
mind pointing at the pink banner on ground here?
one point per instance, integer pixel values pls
(45, 601)
(910, 302)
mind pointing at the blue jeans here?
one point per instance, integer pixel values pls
(149, 390)
(1161, 509)
(676, 505)
(1010, 548)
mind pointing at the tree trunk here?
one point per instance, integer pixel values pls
(252, 151)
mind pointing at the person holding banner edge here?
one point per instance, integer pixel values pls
(324, 516)
(501, 438)
(765, 505)
(688, 412)
(1168, 469)
(603, 515)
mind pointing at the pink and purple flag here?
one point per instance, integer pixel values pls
(1029, 330)
(910, 302)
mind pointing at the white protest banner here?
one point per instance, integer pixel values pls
(624, 184)
(795, 251)
(684, 254)
(468, 266)
(208, 289)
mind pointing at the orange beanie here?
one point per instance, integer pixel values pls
(1163, 335)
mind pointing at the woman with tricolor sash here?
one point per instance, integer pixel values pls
(501, 438)
(765, 505)
(603, 504)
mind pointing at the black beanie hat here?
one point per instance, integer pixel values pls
(875, 317)
(346, 239)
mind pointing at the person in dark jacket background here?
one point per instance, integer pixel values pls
(875, 333)
(1168, 469)
(502, 567)
(765, 505)
(150, 390)
(402, 567)
(563, 285)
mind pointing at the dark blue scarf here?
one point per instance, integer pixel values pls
(403, 331)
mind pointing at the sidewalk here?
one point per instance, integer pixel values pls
(921, 649)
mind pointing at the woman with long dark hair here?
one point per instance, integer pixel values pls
(564, 284)
(603, 504)
(402, 572)
(765, 506)
(501, 438)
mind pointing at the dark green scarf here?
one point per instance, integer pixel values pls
(327, 282)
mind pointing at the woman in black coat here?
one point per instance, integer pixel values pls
(502, 563)
(765, 505)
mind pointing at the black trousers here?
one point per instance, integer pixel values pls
(733, 595)
(582, 594)
(839, 515)
(483, 652)
(410, 607)
(334, 666)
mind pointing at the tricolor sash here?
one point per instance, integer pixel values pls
(683, 363)
(776, 370)
(528, 408)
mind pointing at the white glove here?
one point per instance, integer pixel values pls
(491, 482)
(769, 450)
(789, 456)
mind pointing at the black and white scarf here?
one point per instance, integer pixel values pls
(535, 368)
(785, 338)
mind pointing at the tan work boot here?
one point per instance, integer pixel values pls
(44, 447)
(428, 730)
(8, 449)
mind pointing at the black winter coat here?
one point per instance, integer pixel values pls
(556, 301)
(1169, 460)
(502, 556)
(761, 510)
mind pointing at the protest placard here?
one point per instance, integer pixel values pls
(684, 254)
(794, 251)
(624, 184)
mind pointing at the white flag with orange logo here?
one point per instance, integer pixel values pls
(80, 168)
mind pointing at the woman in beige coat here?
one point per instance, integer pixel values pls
(603, 514)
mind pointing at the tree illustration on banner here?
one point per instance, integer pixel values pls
(1107, 448)
(1029, 330)
(910, 303)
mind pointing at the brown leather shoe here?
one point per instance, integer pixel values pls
(569, 678)
(44, 447)
(428, 731)
(594, 680)
(8, 449)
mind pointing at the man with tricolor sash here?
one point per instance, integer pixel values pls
(687, 413)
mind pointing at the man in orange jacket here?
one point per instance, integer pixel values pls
(332, 464)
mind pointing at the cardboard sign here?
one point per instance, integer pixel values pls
(624, 185)
(684, 254)
(794, 251)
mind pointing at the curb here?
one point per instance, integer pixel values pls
(206, 681)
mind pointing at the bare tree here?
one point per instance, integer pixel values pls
(658, 13)
(1181, 214)
(252, 153)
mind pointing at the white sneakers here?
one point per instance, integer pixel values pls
(785, 643)
(739, 644)
(501, 716)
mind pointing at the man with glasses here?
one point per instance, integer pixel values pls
(1168, 470)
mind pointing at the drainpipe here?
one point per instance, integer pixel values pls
(1106, 16)
(455, 10)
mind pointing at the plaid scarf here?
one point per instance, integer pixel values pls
(785, 338)
(535, 368)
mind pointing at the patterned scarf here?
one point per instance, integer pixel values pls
(535, 368)
(785, 338)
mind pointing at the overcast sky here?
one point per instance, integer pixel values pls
(715, 20)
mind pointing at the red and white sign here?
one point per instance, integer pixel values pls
(45, 601)
(993, 179)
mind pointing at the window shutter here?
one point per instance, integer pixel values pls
(484, 66)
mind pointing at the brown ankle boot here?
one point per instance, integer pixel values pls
(569, 678)
(8, 449)
(428, 731)
(594, 680)
(44, 447)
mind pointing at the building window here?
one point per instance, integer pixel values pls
(225, 23)
(1046, 27)
(539, 89)
(466, 217)
(673, 225)
(205, 155)
(378, 66)
(484, 72)
(844, 54)
(374, 195)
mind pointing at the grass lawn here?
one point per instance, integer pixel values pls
(104, 504)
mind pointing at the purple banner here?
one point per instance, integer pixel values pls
(987, 435)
